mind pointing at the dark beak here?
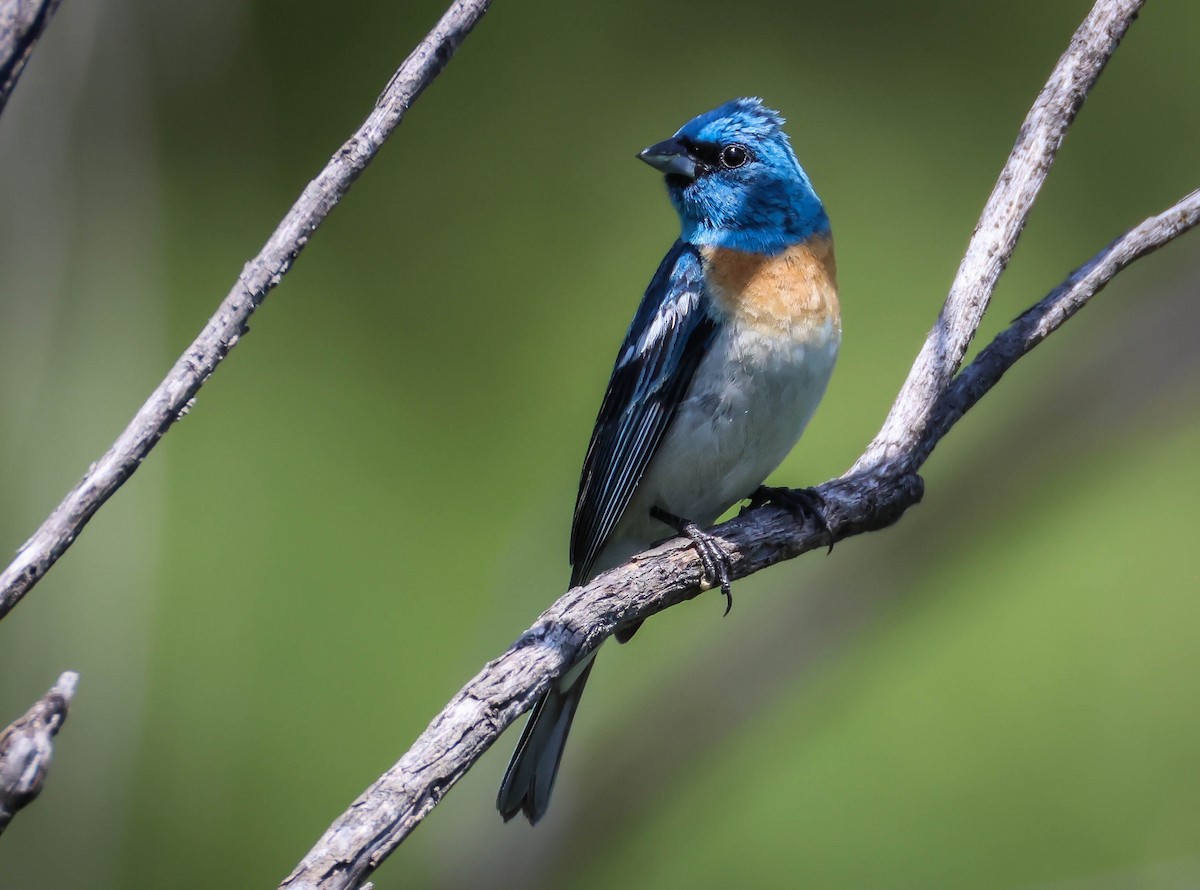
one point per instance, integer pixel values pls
(670, 157)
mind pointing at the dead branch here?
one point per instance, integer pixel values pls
(1004, 216)
(21, 24)
(175, 394)
(882, 484)
(27, 744)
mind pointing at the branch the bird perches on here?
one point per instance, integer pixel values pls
(877, 490)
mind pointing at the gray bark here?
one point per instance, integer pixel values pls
(874, 494)
(26, 746)
(1004, 216)
(21, 24)
(174, 396)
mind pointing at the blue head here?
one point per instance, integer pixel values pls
(735, 181)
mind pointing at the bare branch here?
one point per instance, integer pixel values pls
(999, 227)
(26, 746)
(21, 24)
(174, 395)
(387, 812)
(579, 621)
(872, 495)
(1042, 319)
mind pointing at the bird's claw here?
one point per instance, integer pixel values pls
(717, 570)
(714, 560)
(803, 503)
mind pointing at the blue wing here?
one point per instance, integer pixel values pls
(666, 341)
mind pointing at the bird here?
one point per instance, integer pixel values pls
(722, 367)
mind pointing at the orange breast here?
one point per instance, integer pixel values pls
(790, 293)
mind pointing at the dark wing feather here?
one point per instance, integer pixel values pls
(666, 341)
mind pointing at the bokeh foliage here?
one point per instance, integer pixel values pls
(372, 496)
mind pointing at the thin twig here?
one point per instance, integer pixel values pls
(21, 24)
(27, 744)
(174, 395)
(999, 227)
(1034, 325)
(872, 495)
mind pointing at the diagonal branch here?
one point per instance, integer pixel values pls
(27, 744)
(1000, 226)
(872, 495)
(387, 812)
(21, 25)
(1041, 320)
(174, 395)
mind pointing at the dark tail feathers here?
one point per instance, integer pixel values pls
(531, 772)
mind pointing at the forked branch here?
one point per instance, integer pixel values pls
(875, 493)
(882, 484)
(1000, 225)
(388, 811)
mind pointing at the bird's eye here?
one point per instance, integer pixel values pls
(734, 155)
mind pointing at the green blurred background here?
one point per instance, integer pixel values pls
(372, 496)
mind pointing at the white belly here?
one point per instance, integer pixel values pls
(747, 406)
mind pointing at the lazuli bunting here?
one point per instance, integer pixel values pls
(725, 361)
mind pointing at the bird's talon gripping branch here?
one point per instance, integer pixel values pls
(804, 503)
(717, 571)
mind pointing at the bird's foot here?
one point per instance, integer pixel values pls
(803, 503)
(717, 570)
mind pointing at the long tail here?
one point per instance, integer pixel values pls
(534, 765)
